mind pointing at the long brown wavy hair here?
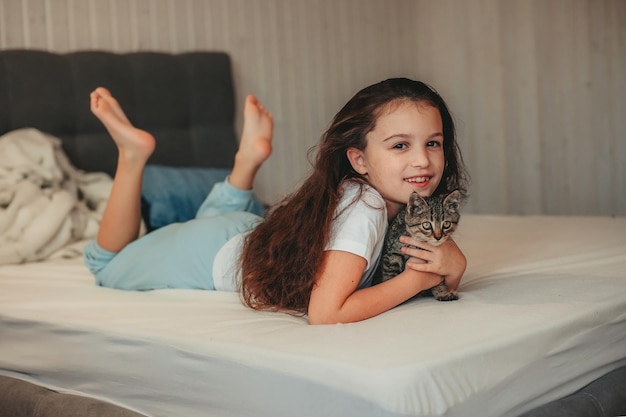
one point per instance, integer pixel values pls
(282, 256)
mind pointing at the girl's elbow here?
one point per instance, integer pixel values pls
(322, 318)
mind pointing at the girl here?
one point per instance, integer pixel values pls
(316, 252)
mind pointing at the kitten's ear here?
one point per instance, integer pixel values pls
(416, 204)
(452, 202)
(357, 160)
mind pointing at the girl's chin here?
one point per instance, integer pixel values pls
(423, 192)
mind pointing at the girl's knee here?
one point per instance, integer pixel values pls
(95, 258)
(225, 198)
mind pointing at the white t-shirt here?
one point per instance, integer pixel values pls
(359, 229)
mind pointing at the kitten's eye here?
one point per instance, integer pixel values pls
(426, 226)
(446, 224)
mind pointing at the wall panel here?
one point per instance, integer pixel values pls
(538, 100)
(537, 87)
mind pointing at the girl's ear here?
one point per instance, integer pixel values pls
(357, 160)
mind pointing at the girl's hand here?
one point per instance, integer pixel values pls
(445, 260)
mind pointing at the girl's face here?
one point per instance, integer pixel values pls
(404, 153)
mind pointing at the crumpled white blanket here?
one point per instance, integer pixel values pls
(48, 208)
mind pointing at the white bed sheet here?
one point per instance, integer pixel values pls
(542, 313)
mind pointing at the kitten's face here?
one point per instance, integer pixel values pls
(434, 219)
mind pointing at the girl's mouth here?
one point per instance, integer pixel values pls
(419, 181)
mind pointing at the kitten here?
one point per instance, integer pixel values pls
(432, 220)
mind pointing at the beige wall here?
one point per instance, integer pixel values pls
(537, 86)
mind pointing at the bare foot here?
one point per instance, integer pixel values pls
(131, 142)
(255, 145)
(258, 125)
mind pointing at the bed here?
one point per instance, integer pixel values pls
(540, 329)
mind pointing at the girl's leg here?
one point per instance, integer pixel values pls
(255, 147)
(122, 216)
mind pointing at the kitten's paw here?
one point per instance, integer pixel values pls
(451, 296)
(441, 293)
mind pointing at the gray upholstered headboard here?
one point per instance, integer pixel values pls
(185, 100)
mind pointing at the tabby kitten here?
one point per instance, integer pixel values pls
(432, 220)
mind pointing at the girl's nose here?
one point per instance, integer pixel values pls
(420, 159)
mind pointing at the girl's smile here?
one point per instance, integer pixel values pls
(404, 153)
(419, 181)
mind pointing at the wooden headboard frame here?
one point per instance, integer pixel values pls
(185, 100)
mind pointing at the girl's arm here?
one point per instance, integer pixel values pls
(335, 299)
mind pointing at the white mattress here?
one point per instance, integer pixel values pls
(542, 313)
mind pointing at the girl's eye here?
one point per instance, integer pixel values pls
(400, 146)
(433, 143)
